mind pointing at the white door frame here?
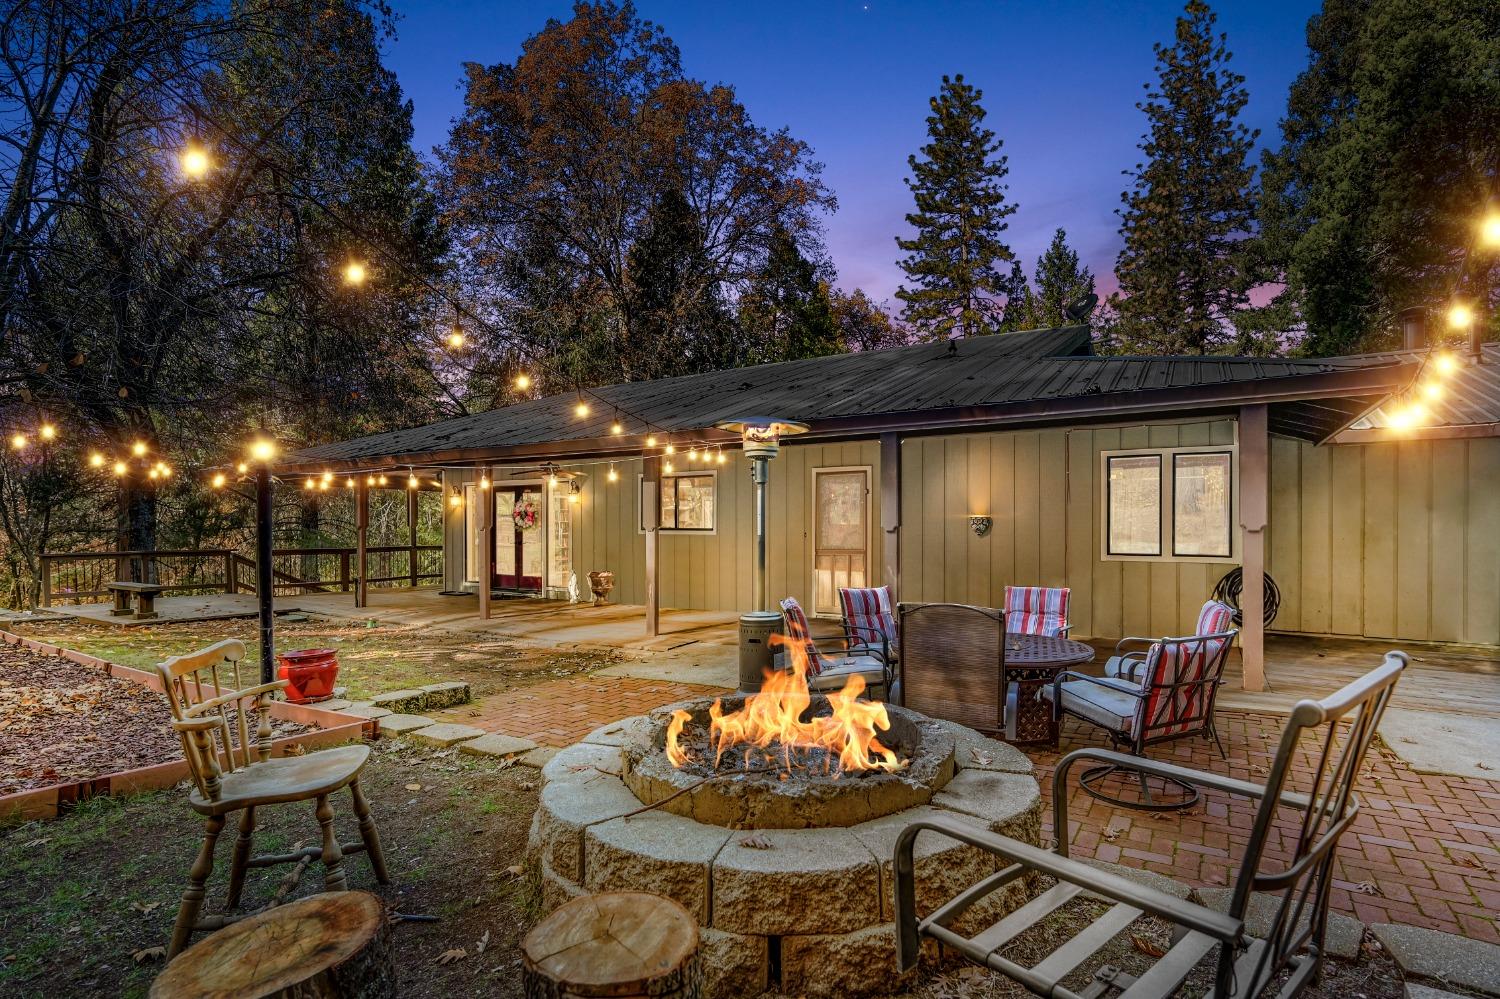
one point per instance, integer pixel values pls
(812, 533)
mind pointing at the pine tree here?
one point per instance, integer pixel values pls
(674, 303)
(953, 261)
(1060, 283)
(786, 310)
(1183, 222)
(1018, 305)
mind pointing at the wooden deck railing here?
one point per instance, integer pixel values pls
(83, 577)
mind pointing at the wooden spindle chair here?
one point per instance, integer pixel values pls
(233, 774)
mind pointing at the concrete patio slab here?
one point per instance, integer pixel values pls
(499, 746)
(393, 724)
(1433, 743)
(1451, 959)
(444, 734)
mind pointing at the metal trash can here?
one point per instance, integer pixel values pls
(756, 629)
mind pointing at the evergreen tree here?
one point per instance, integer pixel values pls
(786, 311)
(1018, 305)
(1060, 283)
(674, 301)
(953, 261)
(1186, 216)
(1389, 151)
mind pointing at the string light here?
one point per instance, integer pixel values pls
(670, 449)
(18, 441)
(47, 432)
(355, 273)
(323, 486)
(456, 339)
(138, 448)
(412, 481)
(1489, 229)
(153, 473)
(242, 468)
(219, 480)
(1433, 390)
(119, 468)
(96, 460)
(1460, 316)
(484, 482)
(1445, 363)
(381, 481)
(720, 457)
(582, 409)
(651, 441)
(693, 454)
(350, 482)
(308, 484)
(523, 381)
(166, 470)
(616, 429)
(666, 466)
(614, 476)
(194, 162)
(369, 480)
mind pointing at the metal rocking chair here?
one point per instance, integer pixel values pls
(1338, 729)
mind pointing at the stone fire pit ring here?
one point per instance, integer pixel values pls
(808, 910)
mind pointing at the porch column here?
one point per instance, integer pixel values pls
(486, 540)
(264, 582)
(651, 521)
(361, 541)
(890, 513)
(1254, 473)
(411, 533)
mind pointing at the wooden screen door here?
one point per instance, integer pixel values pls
(841, 534)
(518, 538)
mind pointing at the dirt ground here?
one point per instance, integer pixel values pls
(372, 659)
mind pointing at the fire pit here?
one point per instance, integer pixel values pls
(773, 819)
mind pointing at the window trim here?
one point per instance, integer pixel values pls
(678, 473)
(1167, 528)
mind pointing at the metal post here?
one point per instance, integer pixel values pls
(1254, 475)
(362, 542)
(759, 472)
(263, 580)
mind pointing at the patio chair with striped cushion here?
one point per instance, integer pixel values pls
(825, 672)
(1214, 618)
(870, 620)
(1037, 610)
(1167, 693)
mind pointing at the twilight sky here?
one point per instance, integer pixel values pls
(852, 78)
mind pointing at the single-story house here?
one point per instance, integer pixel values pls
(949, 470)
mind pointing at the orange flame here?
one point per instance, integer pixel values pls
(774, 717)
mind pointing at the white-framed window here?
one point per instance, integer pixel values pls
(689, 501)
(1168, 504)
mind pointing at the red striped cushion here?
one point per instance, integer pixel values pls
(1215, 618)
(1036, 610)
(1173, 710)
(799, 632)
(867, 613)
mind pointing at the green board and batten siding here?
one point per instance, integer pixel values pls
(1382, 540)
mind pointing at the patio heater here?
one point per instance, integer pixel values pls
(760, 439)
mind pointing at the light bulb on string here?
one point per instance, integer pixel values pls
(693, 454)
(194, 162)
(382, 480)
(138, 448)
(152, 474)
(1445, 363)
(484, 482)
(523, 382)
(47, 432)
(651, 440)
(96, 460)
(1433, 390)
(670, 449)
(581, 409)
(614, 476)
(120, 468)
(18, 441)
(308, 484)
(456, 337)
(166, 470)
(1460, 316)
(720, 457)
(369, 480)
(1489, 229)
(242, 468)
(355, 273)
(349, 482)
(666, 466)
(615, 427)
(412, 481)
(219, 480)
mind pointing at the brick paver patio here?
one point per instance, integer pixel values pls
(560, 712)
(1425, 851)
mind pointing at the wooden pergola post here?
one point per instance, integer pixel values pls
(1254, 476)
(265, 595)
(486, 540)
(651, 521)
(411, 534)
(890, 513)
(361, 542)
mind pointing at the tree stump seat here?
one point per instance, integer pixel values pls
(335, 945)
(619, 945)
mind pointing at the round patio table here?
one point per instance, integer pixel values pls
(1034, 661)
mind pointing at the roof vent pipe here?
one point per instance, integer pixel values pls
(1413, 328)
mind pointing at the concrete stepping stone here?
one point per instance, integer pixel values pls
(539, 757)
(335, 704)
(403, 724)
(444, 733)
(1344, 932)
(1415, 991)
(364, 709)
(497, 745)
(400, 701)
(447, 694)
(1454, 960)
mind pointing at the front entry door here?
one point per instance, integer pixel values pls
(518, 538)
(841, 539)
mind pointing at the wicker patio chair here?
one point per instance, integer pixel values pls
(830, 672)
(1335, 732)
(870, 621)
(1037, 610)
(1159, 694)
(953, 666)
(210, 718)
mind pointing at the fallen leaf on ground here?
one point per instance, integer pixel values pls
(148, 954)
(145, 906)
(1368, 888)
(1145, 946)
(980, 758)
(414, 787)
(1111, 834)
(756, 842)
(515, 869)
(482, 943)
(451, 955)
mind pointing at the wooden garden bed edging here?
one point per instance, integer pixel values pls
(331, 728)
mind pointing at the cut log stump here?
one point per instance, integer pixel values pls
(336, 945)
(618, 945)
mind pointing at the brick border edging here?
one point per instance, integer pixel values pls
(331, 728)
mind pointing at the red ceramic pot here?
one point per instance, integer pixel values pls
(309, 673)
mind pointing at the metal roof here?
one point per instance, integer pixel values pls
(1013, 377)
(1472, 396)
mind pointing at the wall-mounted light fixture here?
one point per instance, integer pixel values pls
(980, 524)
